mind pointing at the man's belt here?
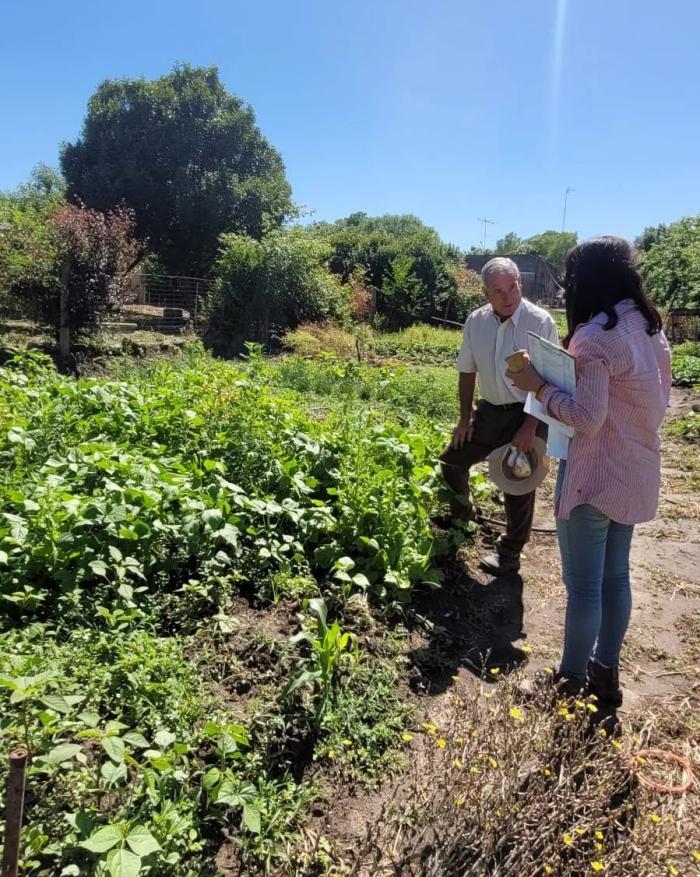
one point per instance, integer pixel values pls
(510, 406)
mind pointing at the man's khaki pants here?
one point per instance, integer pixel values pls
(494, 425)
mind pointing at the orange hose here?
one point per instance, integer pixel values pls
(670, 757)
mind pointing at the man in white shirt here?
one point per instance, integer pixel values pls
(490, 334)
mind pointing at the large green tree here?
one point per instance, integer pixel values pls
(551, 245)
(509, 245)
(670, 264)
(411, 269)
(186, 156)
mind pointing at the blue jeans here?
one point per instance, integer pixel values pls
(595, 563)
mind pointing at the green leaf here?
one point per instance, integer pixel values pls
(113, 773)
(114, 747)
(4, 558)
(141, 841)
(361, 580)
(211, 778)
(103, 839)
(125, 591)
(251, 818)
(62, 752)
(228, 794)
(344, 563)
(90, 718)
(122, 863)
(164, 739)
(135, 738)
(99, 567)
(63, 704)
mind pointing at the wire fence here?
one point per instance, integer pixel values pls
(160, 303)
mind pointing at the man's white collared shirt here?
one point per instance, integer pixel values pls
(486, 341)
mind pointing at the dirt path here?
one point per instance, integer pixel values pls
(474, 616)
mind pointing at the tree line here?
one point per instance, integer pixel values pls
(174, 174)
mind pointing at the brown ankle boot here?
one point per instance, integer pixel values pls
(604, 682)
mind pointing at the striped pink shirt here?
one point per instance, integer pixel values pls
(622, 391)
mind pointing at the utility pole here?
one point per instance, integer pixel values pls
(566, 196)
(484, 221)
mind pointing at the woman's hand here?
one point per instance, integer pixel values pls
(527, 379)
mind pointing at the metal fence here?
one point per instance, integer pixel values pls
(682, 324)
(160, 303)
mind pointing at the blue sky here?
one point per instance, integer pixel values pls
(452, 110)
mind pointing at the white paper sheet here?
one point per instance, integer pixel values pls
(556, 367)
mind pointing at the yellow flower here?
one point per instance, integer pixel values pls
(493, 762)
(599, 847)
(695, 855)
(580, 704)
(331, 754)
(407, 737)
(548, 869)
(527, 649)
(655, 818)
(672, 870)
(494, 671)
(602, 733)
(549, 671)
(515, 713)
(616, 745)
(592, 708)
(547, 772)
(459, 741)
(597, 866)
(488, 694)
(347, 743)
(641, 759)
(580, 831)
(457, 763)
(455, 678)
(430, 727)
(441, 743)
(459, 802)
(473, 769)
(599, 835)
(568, 840)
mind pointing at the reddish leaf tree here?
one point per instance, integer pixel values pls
(94, 253)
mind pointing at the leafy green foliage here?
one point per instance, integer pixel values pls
(550, 245)
(687, 427)
(363, 726)
(327, 645)
(685, 363)
(28, 246)
(402, 259)
(263, 287)
(671, 264)
(135, 514)
(47, 247)
(186, 156)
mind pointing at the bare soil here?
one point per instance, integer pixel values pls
(476, 626)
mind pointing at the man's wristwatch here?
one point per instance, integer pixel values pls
(539, 392)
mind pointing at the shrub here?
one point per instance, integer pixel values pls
(264, 287)
(506, 788)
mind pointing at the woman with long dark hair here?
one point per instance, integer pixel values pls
(611, 479)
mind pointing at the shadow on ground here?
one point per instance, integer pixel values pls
(470, 624)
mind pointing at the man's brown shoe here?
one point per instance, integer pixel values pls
(500, 564)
